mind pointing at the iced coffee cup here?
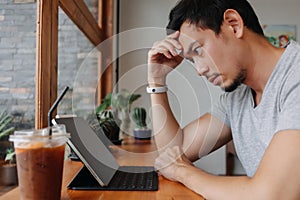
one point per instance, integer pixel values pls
(40, 157)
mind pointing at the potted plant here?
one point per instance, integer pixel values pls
(109, 126)
(121, 105)
(8, 167)
(113, 113)
(141, 131)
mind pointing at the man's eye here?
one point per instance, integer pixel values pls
(198, 50)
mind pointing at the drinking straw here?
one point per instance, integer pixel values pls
(53, 107)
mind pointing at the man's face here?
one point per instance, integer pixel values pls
(213, 56)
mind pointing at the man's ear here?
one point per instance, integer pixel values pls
(235, 22)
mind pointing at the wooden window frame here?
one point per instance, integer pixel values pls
(47, 47)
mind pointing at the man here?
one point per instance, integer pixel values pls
(259, 111)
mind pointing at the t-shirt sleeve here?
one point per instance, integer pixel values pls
(289, 118)
(219, 110)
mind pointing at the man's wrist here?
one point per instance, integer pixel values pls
(182, 173)
(157, 82)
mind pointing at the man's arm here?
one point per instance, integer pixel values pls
(199, 137)
(278, 175)
(167, 132)
(162, 59)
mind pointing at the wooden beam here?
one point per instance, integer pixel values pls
(47, 47)
(46, 59)
(106, 17)
(79, 13)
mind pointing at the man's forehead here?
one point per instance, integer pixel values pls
(184, 38)
(189, 34)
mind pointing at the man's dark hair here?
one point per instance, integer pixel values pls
(208, 14)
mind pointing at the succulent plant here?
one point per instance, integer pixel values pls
(110, 129)
(116, 106)
(139, 115)
(5, 130)
(5, 120)
(10, 155)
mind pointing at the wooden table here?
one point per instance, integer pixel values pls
(131, 152)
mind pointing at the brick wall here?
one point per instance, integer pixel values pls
(17, 60)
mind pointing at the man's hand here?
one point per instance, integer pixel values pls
(170, 161)
(162, 58)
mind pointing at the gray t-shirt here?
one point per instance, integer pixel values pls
(254, 127)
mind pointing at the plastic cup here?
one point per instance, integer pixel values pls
(40, 159)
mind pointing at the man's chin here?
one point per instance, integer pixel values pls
(230, 88)
(236, 82)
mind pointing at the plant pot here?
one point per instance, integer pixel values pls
(8, 174)
(142, 134)
(111, 130)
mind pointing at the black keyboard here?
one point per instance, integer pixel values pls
(126, 178)
(134, 181)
